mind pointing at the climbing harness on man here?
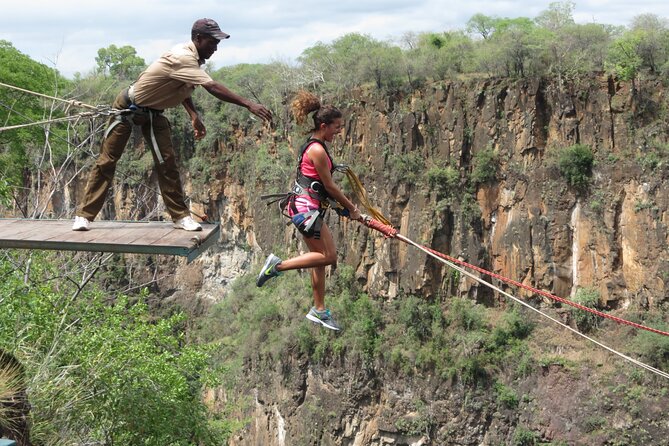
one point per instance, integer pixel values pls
(135, 111)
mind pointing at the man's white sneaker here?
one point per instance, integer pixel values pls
(81, 224)
(188, 224)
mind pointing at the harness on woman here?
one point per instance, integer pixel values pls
(309, 223)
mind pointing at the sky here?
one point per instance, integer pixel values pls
(66, 34)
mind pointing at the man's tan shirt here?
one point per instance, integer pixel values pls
(171, 79)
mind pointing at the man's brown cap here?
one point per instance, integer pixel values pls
(209, 27)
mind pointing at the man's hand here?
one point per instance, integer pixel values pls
(260, 111)
(198, 127)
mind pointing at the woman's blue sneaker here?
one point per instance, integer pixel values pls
(324, 318)
(268, 270)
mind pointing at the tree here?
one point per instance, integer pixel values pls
(443, 54)
(623, 57)
(514, 47)
(100, 371)
(576, 49)
(515, 37)
(19, 146)
(122, 63)
(653, 43)
(352, 60)
(559, 15)
(481, 24)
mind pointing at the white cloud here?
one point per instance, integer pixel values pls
(68, 33)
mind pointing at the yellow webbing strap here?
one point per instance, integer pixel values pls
(361, 194)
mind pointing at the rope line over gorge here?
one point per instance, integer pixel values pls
(452, 262)
(391, 232)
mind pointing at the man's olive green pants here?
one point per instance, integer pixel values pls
(102, 174)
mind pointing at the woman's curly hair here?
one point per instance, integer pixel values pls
(306, 102)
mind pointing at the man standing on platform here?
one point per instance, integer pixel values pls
(166, 83)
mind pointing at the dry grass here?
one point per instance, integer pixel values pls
(11, 384)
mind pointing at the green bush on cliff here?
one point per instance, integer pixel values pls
(586, 321)
(506, 396)
(654, 348)
(453, 339)
(260, 165)
(575, 164)
(444, 182)
(486, 164)
(405, 167)
(525, 437)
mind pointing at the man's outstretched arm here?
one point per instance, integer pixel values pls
(224, 94)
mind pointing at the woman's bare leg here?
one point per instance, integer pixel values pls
(322, 252)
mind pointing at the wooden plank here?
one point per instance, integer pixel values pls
(172, 236)
(154, 237)
(121, 236)
(169, 238)
(49, 232)
(108, 233)
(13, 228)
(32, 232)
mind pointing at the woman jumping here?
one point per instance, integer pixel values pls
(313, 186)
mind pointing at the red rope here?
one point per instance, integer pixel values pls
(391, 232)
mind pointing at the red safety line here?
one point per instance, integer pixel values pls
(391, 232)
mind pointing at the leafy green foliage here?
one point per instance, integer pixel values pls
(623, 58)
(506, 396)
(575, 164)
(19, 146)
(408, 167)
(352, 60)
(11, 385)
(486, 164)
(652, 347)
(453, 339)
(653, 40)
(586, 321)
(524, 437)
(102, 372)
(443, 55)
(120, 62)
(443, 181)
(422, 423)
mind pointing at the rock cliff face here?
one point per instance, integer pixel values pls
(524, 222)
(527, 224)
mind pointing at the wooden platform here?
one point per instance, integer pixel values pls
(151, 237)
